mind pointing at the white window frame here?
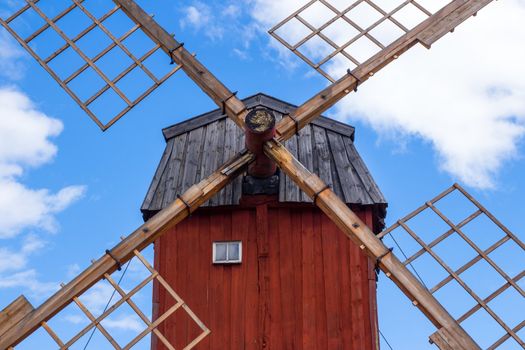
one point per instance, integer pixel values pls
(227, 261)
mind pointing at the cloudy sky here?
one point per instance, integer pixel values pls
(455, 113)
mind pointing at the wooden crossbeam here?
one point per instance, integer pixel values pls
(361, 235)
(13, 313)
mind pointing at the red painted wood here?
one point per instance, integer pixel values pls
(302, 283)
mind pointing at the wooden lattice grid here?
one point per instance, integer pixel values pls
(88, 63)
(125, 298)
(457, 229)
(349, 32)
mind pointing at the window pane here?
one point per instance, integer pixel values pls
(233, 252)
(220, 252)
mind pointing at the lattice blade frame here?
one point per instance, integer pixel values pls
(125, 298)
(458, 230)
(350, 32)
(111, 85)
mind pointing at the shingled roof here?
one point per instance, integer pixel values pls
(198, 146)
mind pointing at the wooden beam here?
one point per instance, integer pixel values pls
(13, 313)
(217, 91)
(427, 33)
(361, 235)
(124, 251)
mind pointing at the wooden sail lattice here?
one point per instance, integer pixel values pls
(327, 32)
(123, 89)
(125, 298)
(486, 239)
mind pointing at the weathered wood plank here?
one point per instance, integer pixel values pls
(351, 184)
(306, 154)
(160, 189)
(14, 312)
(146, 204)
(322, 156)
(293, 193)
(173, 173)
(217, 157)
(362, 170)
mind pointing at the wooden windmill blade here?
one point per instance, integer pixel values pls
(19, 319)
(435, 26)
(426, 32)
(116, 87)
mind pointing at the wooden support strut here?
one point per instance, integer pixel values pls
(360, 234)
(219, 93)
(124, 251)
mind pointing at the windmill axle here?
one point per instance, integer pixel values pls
(260, 127)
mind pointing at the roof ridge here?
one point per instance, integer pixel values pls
(253, 101)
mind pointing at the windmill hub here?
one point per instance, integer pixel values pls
(260, 127)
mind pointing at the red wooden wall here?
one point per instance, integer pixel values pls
(302, 283)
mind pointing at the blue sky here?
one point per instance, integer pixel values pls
(68, 191)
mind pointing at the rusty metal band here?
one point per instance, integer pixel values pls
(117, 261)
(188, 207)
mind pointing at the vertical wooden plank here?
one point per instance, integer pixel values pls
(282, 216)
(346, 306)
(332, 270)
(180, 282)
(322, 155)
(171, 178)
(350, 181)
(227, 283)
(193, 158)
(202, 274)
(230, 149)
(147, 204)
(241, 218)
(169, 270)
(372, 289)
(322, 341)
(305, 153)
(156, 302)
(251, 300)
(276, 331)
(298, 273)
(293, 193)
(208, 157)
(356, 292)
(217, 297)
(263, 252)
(309, 296)
(237, 182)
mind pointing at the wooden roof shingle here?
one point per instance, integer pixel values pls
(198, 146)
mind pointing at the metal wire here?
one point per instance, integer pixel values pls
(386, 341)
(108, 303)
(406, 258)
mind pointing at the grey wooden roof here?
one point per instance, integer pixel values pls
(198, 146)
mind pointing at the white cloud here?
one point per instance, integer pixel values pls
(199, 16)
(10, 54)
(13, 261)
(466, 97)
(124, 323)
(25, 135)
(28, 280)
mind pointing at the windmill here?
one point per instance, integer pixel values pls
(265, 138)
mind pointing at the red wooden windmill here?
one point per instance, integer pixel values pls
(261, 237)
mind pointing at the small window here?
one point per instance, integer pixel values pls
(227, 252)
